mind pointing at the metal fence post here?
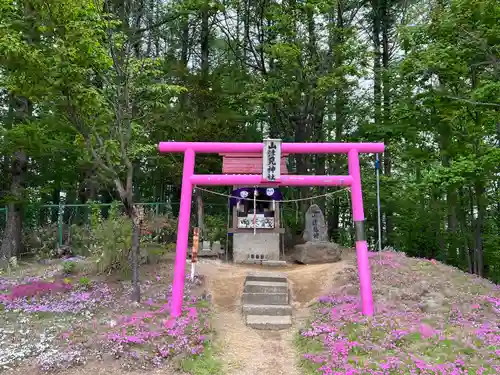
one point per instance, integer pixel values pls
(62, 199)
(59, 226)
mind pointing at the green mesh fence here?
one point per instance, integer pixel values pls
(59, 225)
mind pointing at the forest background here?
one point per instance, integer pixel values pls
(89, 88)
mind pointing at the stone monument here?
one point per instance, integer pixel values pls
(206, 246)
(317, 248)
(316, 228)
(209, 250)
(216, 247)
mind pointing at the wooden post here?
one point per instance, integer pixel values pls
(194, 254)
(199, 213)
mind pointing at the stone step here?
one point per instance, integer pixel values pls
(269, 322)
(265, 287)
(207, 253)
(274, 263)
(273, 310)
(265, 298)
(266, 276)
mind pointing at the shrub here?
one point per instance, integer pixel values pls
(159, 229)
(106, 241)
(41, 240)
(69, 267)
(81, 239)
(215, 228)
(84, 282)
(170, 247)
(112, 244)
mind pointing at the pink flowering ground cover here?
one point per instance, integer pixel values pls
(430, 319)
(54, 322)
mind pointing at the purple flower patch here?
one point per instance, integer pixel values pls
(427, 322)
(62, 323)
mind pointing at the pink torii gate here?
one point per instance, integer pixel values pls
(189, 179)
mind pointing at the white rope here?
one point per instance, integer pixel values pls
(282, 201)
(255, 211)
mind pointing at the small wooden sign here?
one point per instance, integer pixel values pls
(271, 160)
(196, 243)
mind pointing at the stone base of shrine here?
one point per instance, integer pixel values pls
(250, 248)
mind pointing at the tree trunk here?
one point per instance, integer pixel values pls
(302, 162)
(481, 213)
(184, 59)
(377, 73)
(203, 100)
(479, 187)
(336, 48)
(451, 195)
(136, 253)
(204, 43)
(465, 253)
(246, 30)
(333, 220)
(387, 159)
(12, 240)
(200, 215)
(136, 215)
(20, 109)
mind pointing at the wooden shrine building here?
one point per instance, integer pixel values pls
(255, 226)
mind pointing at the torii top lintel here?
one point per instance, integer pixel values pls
(289, 148)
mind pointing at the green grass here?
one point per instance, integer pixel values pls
(205, 364)
(308, 345)
(203, 304)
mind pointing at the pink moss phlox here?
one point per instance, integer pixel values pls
(337, 313)
(385, 258)
(36, 288)
(54, 297)
(495, 303)
(315, 358)
(185, 334)
(427, 331)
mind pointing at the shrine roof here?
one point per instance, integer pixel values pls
(246, 163)
(245, 155)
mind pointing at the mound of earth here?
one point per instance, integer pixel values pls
(430, 318)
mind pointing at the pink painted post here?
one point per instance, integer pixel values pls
(252, 179)
(361, 245)
(287, 148)
(182, 234)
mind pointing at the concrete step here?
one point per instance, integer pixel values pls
(273, 310)
(207, 253)
(265, 287)
(267, 276)
(265, 298)
(269, 322)
(274, 263)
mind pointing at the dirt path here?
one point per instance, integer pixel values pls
(245, 351)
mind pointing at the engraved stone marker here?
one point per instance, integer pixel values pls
(315, 228)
